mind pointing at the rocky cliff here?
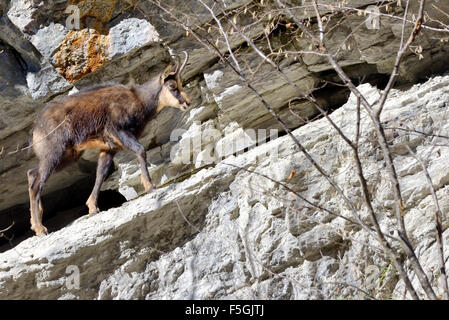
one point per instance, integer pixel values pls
(228, 232)
(216, 227)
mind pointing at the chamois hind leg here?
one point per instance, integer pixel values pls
(35, 202)
(131, 143)
(32, 179)
(49, 155)
(37, 179)
(104, 163)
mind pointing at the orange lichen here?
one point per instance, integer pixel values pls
(80, 53)
(84, 51)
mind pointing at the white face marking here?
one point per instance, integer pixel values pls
(167, 99)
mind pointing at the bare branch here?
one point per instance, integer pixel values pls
(438, 225)
(402, 49)
(223, 33)
(2, 232)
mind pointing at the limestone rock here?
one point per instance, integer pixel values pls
(48, 39)
(213, 236)
(131, 34)
(212, 230)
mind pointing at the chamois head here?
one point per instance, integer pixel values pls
(172, 93)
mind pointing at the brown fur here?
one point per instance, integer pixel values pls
(109, 118)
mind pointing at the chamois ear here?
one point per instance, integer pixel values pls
(171, 70)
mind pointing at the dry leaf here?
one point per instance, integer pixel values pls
(292, 174)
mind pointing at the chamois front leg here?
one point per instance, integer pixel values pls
(104, 163)
(131, 143)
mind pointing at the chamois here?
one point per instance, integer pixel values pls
(107, 117)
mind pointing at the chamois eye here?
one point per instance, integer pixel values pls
(172, 85)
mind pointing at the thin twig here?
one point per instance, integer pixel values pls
(4, 230)
(438, 225)
(402, 49)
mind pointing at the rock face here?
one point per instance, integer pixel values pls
(228, 232)
(54, 47)
(212, 230)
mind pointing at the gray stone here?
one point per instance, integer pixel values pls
(47, 39)
(131, 34)
(21, 13)
(236, 101)
(46, 83)
(11, 35)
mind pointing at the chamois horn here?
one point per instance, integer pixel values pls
(184, 63)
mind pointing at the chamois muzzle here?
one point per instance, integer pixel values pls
(185, 106)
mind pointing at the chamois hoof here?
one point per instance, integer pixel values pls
(94, 210)
(40, 230)
(147, 186)
(92, 205)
